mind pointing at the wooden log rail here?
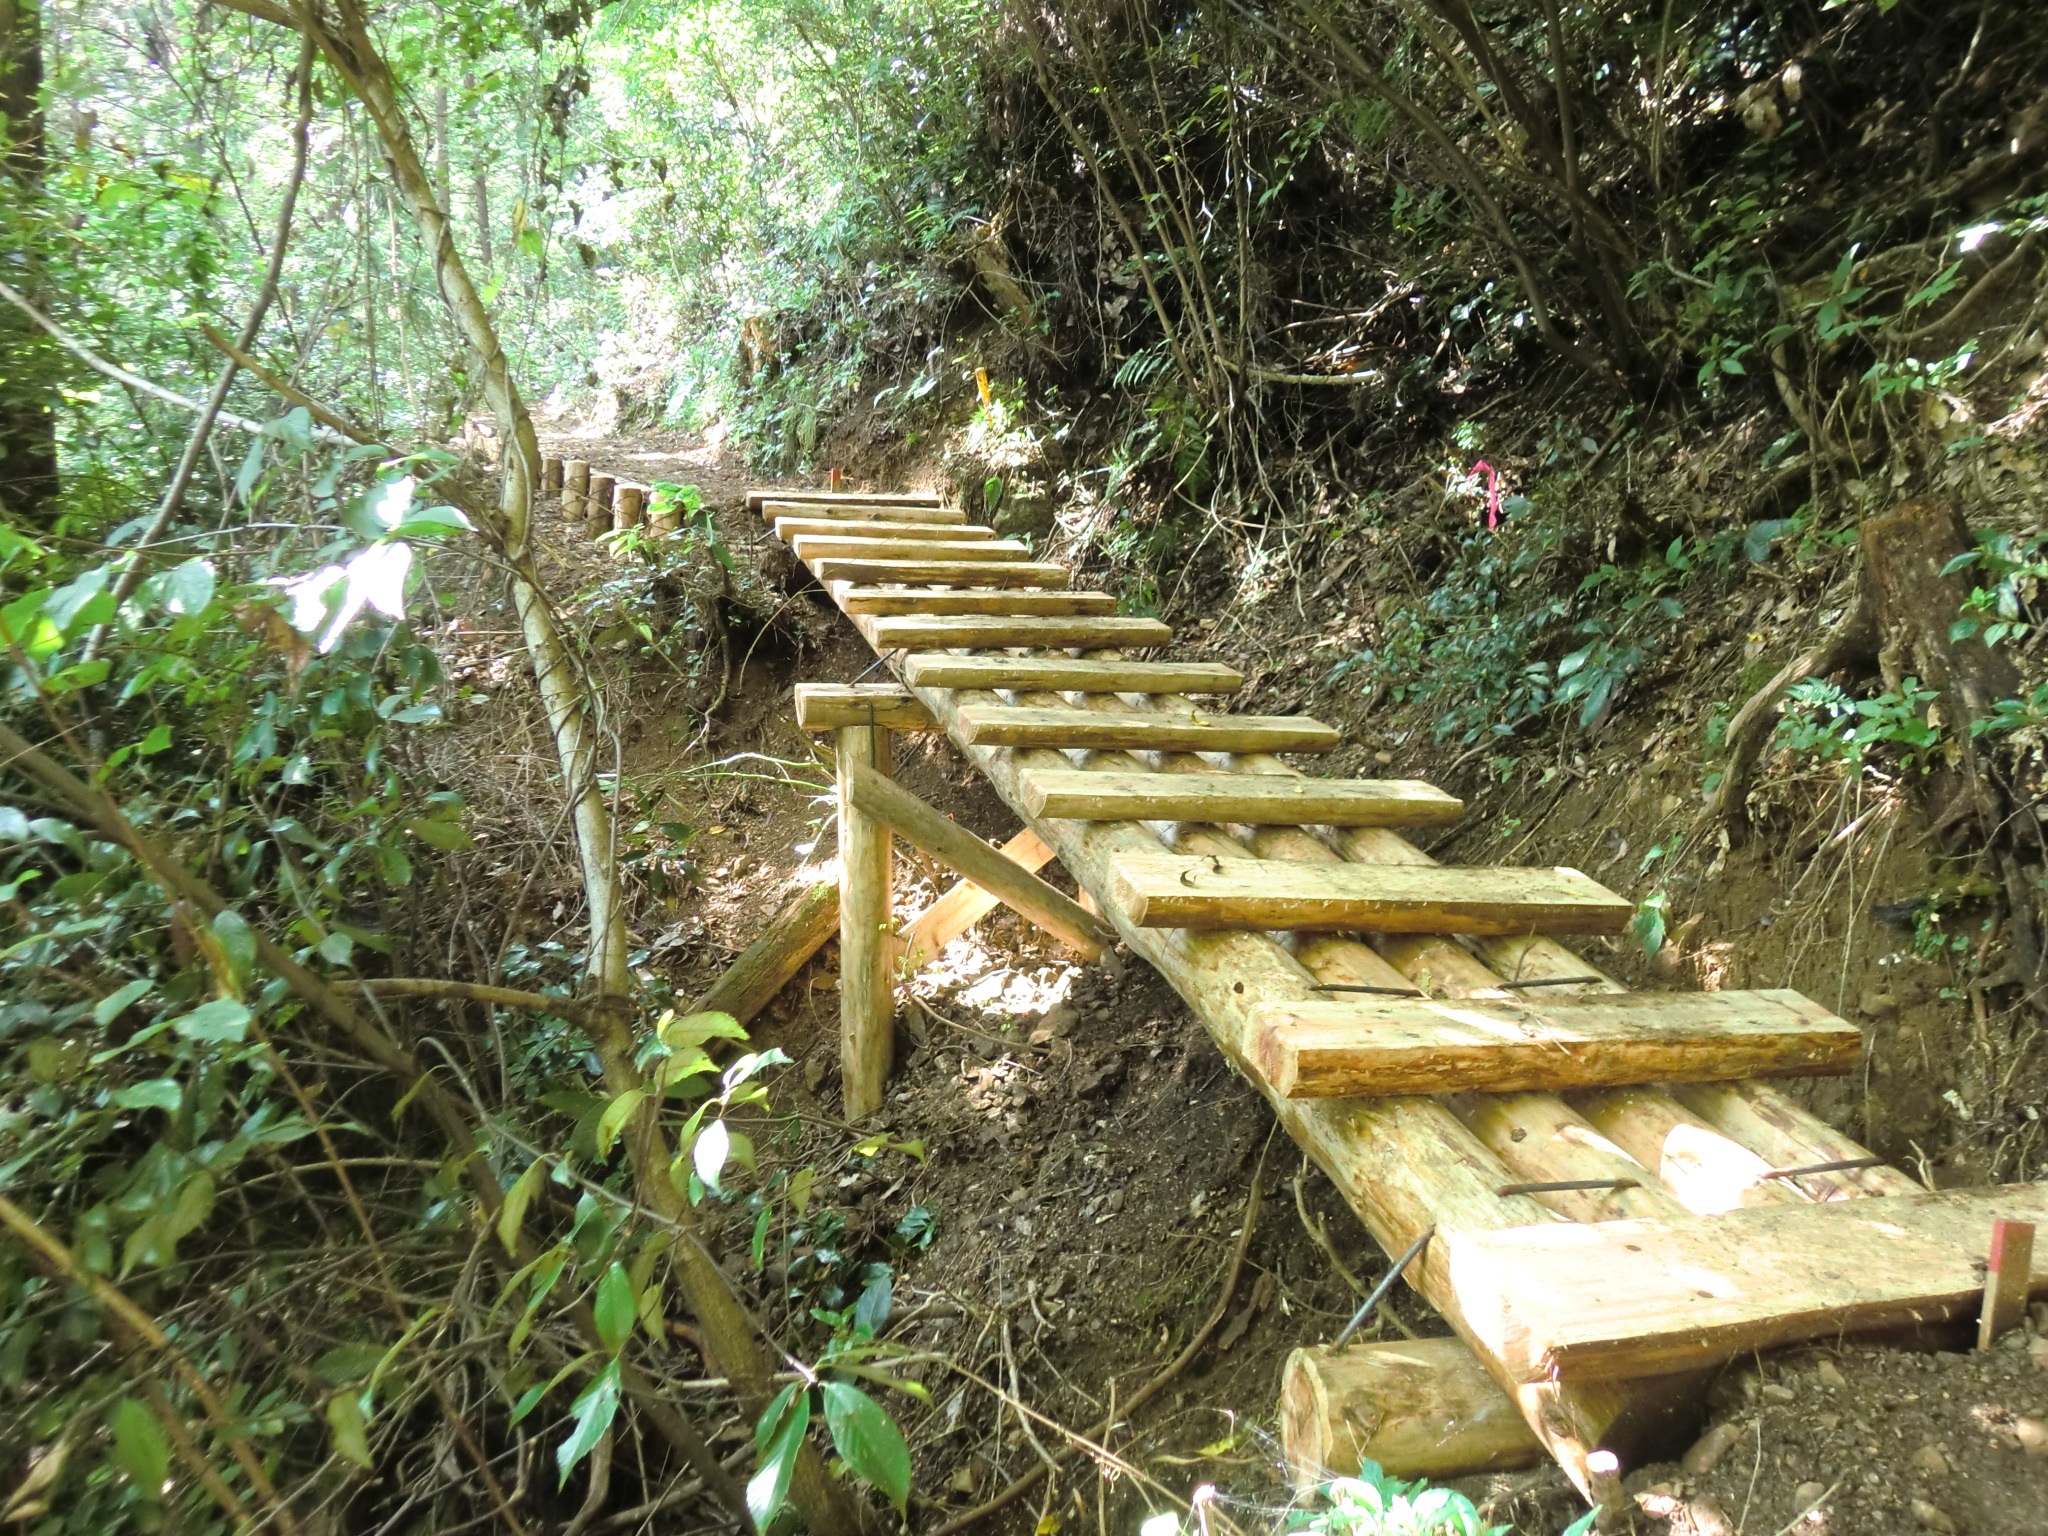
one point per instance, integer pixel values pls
(1498, 1177)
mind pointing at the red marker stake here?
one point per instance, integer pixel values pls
(1492, 493)
(2007, 1280)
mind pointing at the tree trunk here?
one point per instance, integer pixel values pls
(28, 430)
(1905, 553)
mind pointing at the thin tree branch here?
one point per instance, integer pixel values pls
(136, 381)
(282, 387)
(131, 1319)
(202, 429)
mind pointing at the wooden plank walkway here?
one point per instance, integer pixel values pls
(1600, 1253)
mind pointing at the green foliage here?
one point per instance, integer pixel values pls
(2001, 607)
(1822, 721)
(1374, 1504)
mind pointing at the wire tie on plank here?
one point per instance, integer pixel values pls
(1565, 1186)
(1379, 1292)
(1547, 981)
(1351, 986)
(1842, 1165)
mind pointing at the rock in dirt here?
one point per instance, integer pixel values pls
(1933, 1517)
(1929, 1459)
(1707, 1451)
(2032, 1435)
(1806, 1495)
(1706, 1518)
(1830, 1374)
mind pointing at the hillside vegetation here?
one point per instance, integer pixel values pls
(1626, 414)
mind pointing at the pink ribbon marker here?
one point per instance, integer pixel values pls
(1492, 493)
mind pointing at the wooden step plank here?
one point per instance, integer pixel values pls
(990, 725)
(828, 706)
(854, 528)
(862, 511)
(926, 632)
(1013, 601)
(953, 573)
(760, 496)
(1162, 890)
(1373, 1046)
(1069, 674)
(968, 856)
(812, 546)
(1617, 1299)
(1273, 800)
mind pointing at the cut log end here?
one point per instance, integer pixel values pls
(1420, 1408)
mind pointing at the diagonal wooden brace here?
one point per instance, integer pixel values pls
(960, 908)
(953, 845)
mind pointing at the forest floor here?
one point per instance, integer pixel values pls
(1081, 1160)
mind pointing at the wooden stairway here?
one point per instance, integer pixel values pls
(1600, 1244)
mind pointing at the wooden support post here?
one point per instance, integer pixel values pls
(835, 481)
(867, 1001)
(2007, 1280)
(551, 474)
(629, 505)
(575, 487)
(667, 518)
(1023, 892)
(1418, 1407)
(597, 506)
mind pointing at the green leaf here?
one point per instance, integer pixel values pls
(531, 1398)
(188, 588)
(869, 1440)
(337, 948)
(222, 1021)
(1648, 924)
(158, 740)
(158, 1093)
(237, 941)
(594, 1409)
(512, 1214)
(349, 1430)
(614, 1307)
(709, 1155)
(614, 1118)
(347, 1363)
(767, 1488)
(156, 1240)
(431, 522)
(697, 1028)
(140, 1447)
(114, 1004)
(444, 835)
